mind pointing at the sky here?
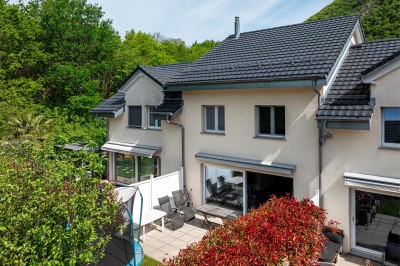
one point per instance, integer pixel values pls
(200, 20)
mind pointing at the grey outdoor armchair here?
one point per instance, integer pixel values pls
(183, 205)
(173, 217)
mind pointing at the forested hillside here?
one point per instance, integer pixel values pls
(380, 18)
(60, 58)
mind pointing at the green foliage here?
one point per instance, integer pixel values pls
(61, 58)
(69, 129)
(380, 18)
(58, 60)
(147, 261)
(30, 126)
(40, 191)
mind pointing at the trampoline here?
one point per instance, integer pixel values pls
(123, 249)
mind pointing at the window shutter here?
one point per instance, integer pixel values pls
(135, 116)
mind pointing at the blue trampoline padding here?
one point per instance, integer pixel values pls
(139, 254)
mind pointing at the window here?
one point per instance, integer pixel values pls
(135, 116)
(271, 120)
(130, 169)
(214, 119)
(152, 121)
(391, 127)
(223, 188)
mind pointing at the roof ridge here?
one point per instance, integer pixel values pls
(301, 23)
(166, 65)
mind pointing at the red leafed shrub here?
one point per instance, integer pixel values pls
(283, 231)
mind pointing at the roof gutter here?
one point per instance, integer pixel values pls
(320, 81)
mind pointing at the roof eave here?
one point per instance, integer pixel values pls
(351, 124)
(254, 84)
(110, 114)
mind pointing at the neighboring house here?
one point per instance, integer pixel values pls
(298, 109)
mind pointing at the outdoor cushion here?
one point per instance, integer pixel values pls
(331, 251)
(336, 238)
(393, 247)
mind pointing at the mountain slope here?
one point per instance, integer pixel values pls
(380, 18)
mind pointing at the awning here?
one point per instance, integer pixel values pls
(377, 183)
(249, 164)
(78, 146)
(135, 149)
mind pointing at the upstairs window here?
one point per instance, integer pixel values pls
(135, 116)
(214, 119)
(391, 127)
(152, 121)
(271, 121)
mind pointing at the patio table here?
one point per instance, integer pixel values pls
(216, 211)
(234, 180)
(150, 217)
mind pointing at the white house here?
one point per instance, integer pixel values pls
(298, 109)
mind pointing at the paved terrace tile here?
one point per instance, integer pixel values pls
(163, 245)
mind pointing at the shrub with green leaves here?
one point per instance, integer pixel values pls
(53, 210)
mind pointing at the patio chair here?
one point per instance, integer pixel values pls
(215, 193)
(363, 217)
(173, 217)
(183, 205)
(224, 186)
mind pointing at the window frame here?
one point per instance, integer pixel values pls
(141, 116)
(216, 119)
(137, 178)
(273, 122)
(157, 121)
(383, 143)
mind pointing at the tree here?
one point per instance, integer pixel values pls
(29, 125)
(52, 212)
(380, 18)
(283, 231)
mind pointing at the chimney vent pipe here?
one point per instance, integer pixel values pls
(237, 28)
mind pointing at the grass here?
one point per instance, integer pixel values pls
(389, 206)
(147, 261)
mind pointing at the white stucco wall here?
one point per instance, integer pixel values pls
(299, 148)
(359, 151)
(144, 92)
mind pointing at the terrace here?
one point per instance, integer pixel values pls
(163, 245)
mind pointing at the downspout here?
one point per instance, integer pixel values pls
(108, 153)
(314, 88)
(183, 146)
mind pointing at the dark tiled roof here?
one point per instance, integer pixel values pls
(111, 105)
(169, 106)
(162, 74)
(381, 63)
(349, 97)
(291, 52)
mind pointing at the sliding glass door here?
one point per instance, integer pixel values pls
(375, 219)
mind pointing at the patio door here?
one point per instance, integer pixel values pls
(261, 186)
(372, 217)
(223, 187)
